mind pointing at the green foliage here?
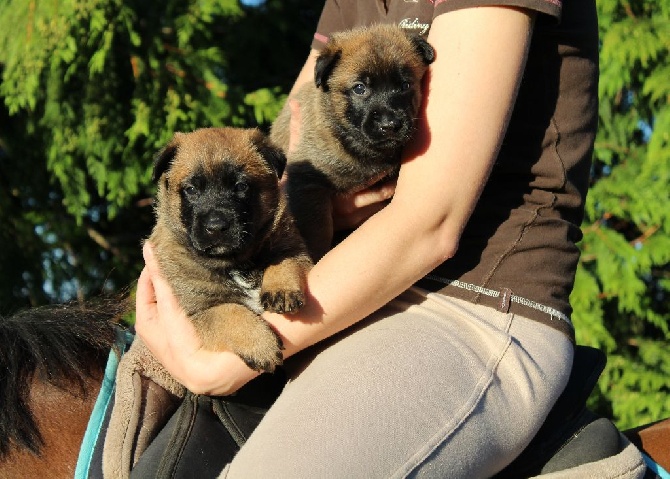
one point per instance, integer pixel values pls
(622, 292)
(112, 80)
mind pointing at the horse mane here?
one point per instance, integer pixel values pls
(64, 345)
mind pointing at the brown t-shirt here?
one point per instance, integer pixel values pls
(518, 251)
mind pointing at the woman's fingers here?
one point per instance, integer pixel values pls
(349, 211)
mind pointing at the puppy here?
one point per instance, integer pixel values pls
(355, 120)
(225, 241)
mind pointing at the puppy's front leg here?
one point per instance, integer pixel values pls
(312, 209)
(284, 285)
(233, 327)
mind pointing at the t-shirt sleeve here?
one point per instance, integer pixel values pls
(338, 15)
(549, 7)
(332, 20)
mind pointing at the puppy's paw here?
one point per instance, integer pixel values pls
(284, 285)
(234, 327)
(283, 301)
(265, 355)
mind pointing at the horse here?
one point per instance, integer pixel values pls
(53, 360)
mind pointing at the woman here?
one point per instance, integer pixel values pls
(442, 323)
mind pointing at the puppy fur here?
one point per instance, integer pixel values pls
(225, 241)
(355, 120)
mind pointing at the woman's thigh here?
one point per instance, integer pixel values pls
(427, 387)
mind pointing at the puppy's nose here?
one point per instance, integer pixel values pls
(388, 126)
(386, 122)
(216, 222)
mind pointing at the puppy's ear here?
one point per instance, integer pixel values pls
(424, 49)
(271, 153)
(164, 158)
(325, 63)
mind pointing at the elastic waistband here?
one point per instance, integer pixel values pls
(504, 300)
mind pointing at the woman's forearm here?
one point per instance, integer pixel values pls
(371, 267)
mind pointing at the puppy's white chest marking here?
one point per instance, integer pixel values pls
(249, 285)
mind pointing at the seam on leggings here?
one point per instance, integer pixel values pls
(464, 413)
(634, 469)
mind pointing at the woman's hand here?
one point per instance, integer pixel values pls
(352, 209)
(170, 336)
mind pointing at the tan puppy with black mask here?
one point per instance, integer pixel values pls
(225, 241)
(355, 120)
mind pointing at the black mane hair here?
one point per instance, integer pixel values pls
(65, 345)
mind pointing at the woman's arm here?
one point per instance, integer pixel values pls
(471, 89)
(470, 96)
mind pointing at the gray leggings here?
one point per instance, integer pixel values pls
(429, 386)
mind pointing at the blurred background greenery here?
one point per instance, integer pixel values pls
(90, 89)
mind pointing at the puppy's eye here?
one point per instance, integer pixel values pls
(190, 190)
(359, 88)
(405, 86)
(241, 187)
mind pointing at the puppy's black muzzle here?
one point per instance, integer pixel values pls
(219, 232)
(386, 122)
(387, 128)
(215, 223)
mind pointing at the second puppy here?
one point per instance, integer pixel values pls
(225, 241)
(355, 120)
